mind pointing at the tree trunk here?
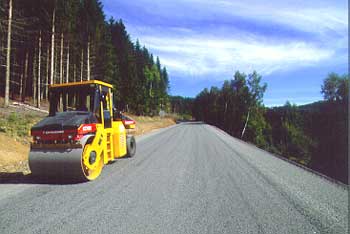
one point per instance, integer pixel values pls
(67, 72)
(82, 65)
(47, 72)
(56, 78)
(25, 77)
(74, 78)
(67, 68)
(21, 85)
(245, 125)
(75, 72)
(61, 59)
(88, 60)
(61, 69)
(53, 45)
(150, 90)
(34, 80)
(8, 56)
(39, 69)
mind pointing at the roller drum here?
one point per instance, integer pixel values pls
(57, 163)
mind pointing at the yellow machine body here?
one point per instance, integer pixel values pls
(96, 144)
(119, 139)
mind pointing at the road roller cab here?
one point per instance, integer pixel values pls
(82, 133)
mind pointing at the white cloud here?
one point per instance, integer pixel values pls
(309, 16)
(197, 56)
(317, 16)
(173, 32)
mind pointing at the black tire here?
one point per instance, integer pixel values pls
(130, 146)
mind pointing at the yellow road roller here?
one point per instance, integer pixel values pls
(82, 133)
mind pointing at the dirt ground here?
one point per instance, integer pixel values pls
(146, 124)
(13, 155)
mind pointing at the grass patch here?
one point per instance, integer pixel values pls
(17, 125)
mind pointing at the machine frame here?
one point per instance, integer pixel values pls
(80, 150)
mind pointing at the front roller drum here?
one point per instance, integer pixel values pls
(73, 164)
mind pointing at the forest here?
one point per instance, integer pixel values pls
(47, 42)
(314, 135)
(182, 106)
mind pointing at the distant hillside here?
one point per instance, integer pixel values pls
(323, 128)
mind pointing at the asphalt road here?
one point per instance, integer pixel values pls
(190, 178)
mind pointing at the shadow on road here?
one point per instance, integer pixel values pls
(20, 178)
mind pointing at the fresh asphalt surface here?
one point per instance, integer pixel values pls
(190, 178)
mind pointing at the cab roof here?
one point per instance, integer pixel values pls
(83, 83)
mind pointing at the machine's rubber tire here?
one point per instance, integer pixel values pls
(130, 146)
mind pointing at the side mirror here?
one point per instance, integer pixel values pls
(117, 115)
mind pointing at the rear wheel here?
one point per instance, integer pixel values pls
(92, 163)
(130, 146)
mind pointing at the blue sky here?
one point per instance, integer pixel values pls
(292, 44)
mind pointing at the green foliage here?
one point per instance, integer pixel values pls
(229, 106)
(181, 105)
(296, 143)
(288, 133)
(141, 85)
(335, 87)
(256, 90)
(258, 128)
